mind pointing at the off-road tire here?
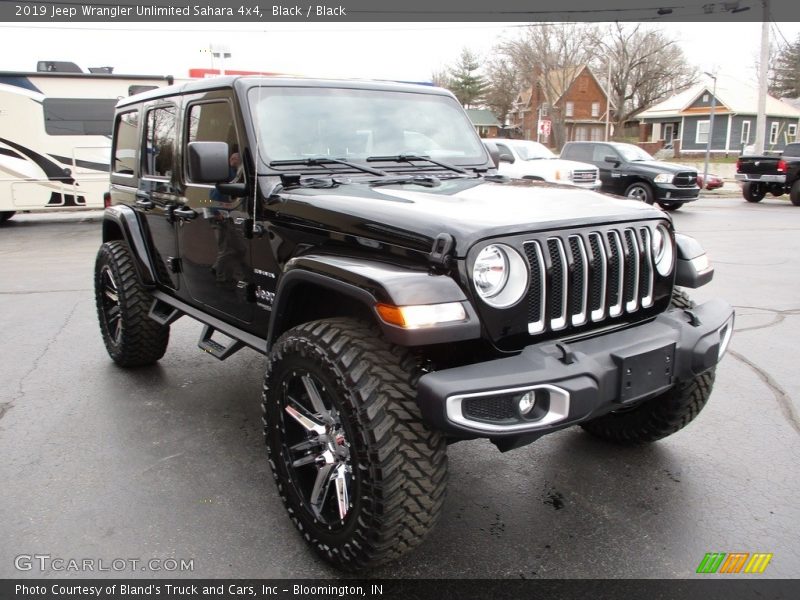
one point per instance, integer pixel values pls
(5, 215)
(131, 337)
(754, 192)
(661, 416)
(670, 206)
(794, 193)
(640, 191)
(398, 466)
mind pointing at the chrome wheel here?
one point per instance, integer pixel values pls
(316, 449)
(638, 192)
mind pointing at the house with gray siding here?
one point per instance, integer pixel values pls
(683, 120)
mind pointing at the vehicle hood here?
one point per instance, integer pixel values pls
(656, 166)
(547, 165)
(469, 209)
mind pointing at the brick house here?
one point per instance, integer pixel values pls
(572, 98)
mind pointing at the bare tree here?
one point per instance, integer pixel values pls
(504, 83)
(785, 80)
(547, 55)
(646, 67)
(441, 78)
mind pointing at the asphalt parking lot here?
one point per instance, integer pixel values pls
(167, 461)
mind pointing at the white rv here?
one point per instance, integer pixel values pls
(55, 137)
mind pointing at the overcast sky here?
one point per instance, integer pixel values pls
(401, 51)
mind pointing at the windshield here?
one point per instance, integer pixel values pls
(296, 123)
(631, 153)
(533, 151)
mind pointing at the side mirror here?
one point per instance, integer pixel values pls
(494, 154)
(504, 157)
(611, 159)
(209, 162)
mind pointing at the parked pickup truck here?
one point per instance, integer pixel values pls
(777, 174)
(524, 159)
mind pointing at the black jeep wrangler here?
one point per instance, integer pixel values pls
(405, 296)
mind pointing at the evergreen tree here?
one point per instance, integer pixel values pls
(465, 82)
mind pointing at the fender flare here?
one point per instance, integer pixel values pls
(370, 282)
(125, 220)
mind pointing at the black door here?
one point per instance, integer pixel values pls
(215, 253)
(156, 195)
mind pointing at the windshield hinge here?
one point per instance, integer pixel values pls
(440, 252)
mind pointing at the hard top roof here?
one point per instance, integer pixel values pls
(253, 81)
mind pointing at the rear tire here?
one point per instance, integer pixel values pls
(5, 215)
(754, 192)
(131, 337)
(794, 193)
(361, 476)
(661, 416)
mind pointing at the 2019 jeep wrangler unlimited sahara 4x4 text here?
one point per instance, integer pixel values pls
(405, 296)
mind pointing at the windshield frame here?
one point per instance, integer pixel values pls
(248, 91)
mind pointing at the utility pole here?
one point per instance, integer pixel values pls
(763, 68)
(608, 99)
(710, 127)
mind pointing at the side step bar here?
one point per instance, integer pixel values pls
(214, 348)
(166, 310)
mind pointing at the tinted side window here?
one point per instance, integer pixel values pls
(504, 149)
(600, 153)
(160, 142)
(578, 152)
(78, 116)
(213, 122)
(126, 140)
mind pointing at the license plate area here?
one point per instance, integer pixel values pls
(642, 373)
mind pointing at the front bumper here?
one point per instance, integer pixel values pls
(760, 178)
(673, 193)
(581, 380)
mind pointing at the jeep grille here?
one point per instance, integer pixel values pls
(588, 276)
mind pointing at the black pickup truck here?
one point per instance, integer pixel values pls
(778, 175)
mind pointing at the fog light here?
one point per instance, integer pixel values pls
(526, 403)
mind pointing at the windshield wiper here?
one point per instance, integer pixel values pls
(423, 180)
(321, 161)
(410, 158)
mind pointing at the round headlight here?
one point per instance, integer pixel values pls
(500, 275)
(663, 254)
(490, 272)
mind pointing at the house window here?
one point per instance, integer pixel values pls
(773, 133)
(595, 109)
(701, 137)
(570, 109)
(705, 98)
(791, 133)
(745, 132)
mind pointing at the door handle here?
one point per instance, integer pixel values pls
(185, 213)
(143, 201)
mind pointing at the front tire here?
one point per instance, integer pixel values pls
(640, 191)
(671, 206)
(131, 337)
(5, 215)
(362, 477)
(794, 193)
(754, 192)
(661, 416)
